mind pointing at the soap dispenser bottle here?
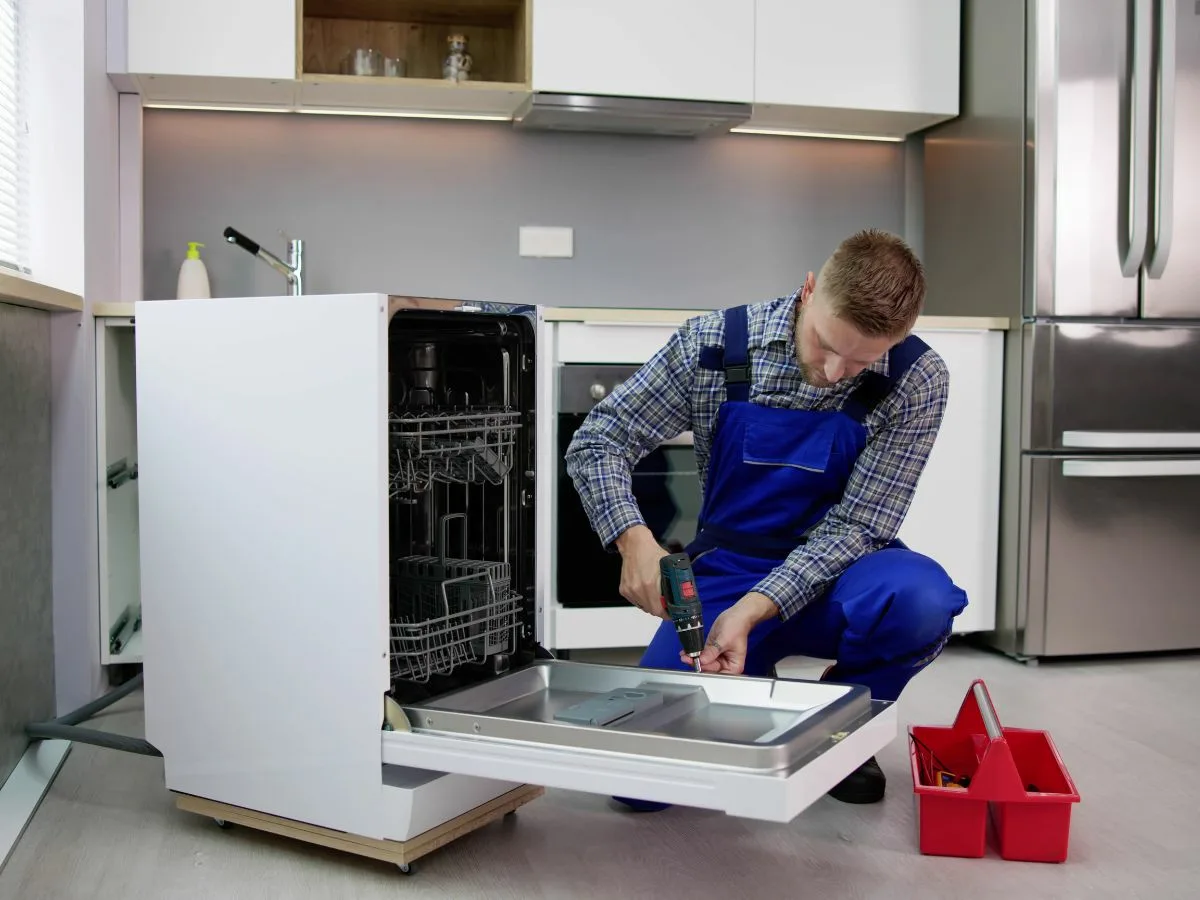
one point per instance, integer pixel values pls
(193, 276)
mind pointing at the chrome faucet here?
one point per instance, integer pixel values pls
(292, 270)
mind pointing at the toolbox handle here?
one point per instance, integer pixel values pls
(987, 712)
(995, 776)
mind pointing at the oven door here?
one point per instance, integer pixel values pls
(666, 486)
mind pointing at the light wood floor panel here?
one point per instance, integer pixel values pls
(1128, 731)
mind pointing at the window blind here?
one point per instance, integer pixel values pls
(14, 174)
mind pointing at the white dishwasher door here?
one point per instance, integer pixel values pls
(752, 747)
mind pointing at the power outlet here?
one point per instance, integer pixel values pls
(547, 243)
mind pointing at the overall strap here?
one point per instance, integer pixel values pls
(734, 358)
(876, 386)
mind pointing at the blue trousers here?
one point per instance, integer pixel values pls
(883, 620)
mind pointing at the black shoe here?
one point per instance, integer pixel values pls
(864, 785)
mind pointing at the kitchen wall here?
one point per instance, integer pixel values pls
(73, 131)
(26, 595)
(433, 207)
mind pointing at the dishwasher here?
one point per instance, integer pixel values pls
(345, 527)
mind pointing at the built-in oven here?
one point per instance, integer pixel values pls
(665, 484)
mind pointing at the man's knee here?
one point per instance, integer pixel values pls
(912, 601)
(927, 600)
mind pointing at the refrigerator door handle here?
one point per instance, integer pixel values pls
(1130, 468)
(1134, 183)
(1164, 161)
(1131, 440)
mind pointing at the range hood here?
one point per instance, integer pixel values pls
(629, 115)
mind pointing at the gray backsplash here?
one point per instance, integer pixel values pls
(429, 207)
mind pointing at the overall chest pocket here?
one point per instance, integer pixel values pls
(793, 446)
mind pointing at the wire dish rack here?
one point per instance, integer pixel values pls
(449, 612)
(473, 446)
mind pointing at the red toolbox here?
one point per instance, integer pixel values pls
(974, 767)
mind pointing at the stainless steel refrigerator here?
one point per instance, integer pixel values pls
(1067, 197)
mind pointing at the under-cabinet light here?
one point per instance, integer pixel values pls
(406, 114)
(785, 132)
(387, 113)
(212, 108)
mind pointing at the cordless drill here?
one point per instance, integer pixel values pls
(682, 601)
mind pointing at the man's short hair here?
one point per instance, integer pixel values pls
(874, 282)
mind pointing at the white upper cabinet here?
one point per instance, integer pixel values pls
(225, 38)
(677, 49)
(866, 66)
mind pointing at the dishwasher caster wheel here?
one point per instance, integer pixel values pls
(405, 868)
(221, 823)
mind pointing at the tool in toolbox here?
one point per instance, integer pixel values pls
(975, 768)
(682, 600)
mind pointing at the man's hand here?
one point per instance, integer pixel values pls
(725, 650)
(640, 577)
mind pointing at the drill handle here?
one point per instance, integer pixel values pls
(678, 581)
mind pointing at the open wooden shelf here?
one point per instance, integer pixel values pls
(410, 96)
(416, 31)
(367, 82)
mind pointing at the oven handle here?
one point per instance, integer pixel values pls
(683, 439)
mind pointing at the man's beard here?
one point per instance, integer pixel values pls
(812, 376)
(809, 374)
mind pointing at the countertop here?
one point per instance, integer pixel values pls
(16, 290)
(112, 310)
(598, 315)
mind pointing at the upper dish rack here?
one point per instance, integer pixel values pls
(470, 446)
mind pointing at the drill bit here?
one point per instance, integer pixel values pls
(696, 663)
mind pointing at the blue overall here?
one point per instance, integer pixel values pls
(773, 474)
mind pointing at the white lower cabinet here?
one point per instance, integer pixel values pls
(955, 513)
(954, 516)
(117, 492)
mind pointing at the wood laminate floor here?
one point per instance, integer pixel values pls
(1128, 730)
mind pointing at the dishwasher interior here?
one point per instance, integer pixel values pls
(460, 499)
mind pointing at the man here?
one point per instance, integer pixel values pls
(813, 417)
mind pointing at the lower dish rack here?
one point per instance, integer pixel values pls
(449, 612)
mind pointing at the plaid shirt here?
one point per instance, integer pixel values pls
(671, 394)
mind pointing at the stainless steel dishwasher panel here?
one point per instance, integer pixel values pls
(760, 748)
(754, 723)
